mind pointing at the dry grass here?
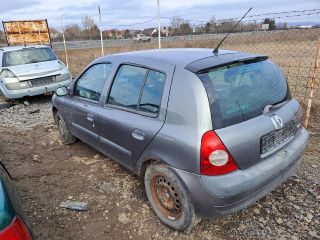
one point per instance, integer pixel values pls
(293, 50)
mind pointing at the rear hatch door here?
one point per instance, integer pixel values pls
(251, 108)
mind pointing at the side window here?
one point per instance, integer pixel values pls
(90, 84)
(152, 92)
(127, 85)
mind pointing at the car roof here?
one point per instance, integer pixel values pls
(182, 57)
(14, 48)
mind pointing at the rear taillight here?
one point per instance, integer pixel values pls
(17, 230)
(215, 158)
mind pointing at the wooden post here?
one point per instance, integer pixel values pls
(313, 86)
(101, 37)
(64, 43)
(159, 27)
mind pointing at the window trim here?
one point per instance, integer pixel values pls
(106, 104)
(86, 70)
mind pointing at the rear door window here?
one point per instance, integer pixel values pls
(137, 89)
(152, 92)
(239, 92)
(127, 85)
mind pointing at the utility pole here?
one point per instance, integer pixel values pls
(64, 43)
(101, 38)
(159, 33)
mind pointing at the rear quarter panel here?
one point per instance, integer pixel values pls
(188, 116)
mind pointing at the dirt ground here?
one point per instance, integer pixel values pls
(47, 173)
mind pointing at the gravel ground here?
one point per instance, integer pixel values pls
(47, 173)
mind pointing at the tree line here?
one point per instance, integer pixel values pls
(88, 29)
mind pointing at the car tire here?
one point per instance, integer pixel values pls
(169, 198)
(65, 135)
(149, 39)
(3, 97)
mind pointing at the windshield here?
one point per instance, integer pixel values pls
(27, 55)
(239, 92)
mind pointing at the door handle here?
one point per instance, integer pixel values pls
(138, 134)
(90, 117)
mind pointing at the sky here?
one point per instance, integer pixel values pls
(119, 12)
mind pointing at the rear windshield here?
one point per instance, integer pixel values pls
(27, 55)
(239, 92)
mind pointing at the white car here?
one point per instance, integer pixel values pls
(30, 71)
(141, 38)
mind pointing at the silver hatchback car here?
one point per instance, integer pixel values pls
(30, 71)
(210, 133)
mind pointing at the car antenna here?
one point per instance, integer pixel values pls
(216, 50)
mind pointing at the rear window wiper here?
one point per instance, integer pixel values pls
(270, 107)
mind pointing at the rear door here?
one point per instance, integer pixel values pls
(83, 107)
(134, 110)
(252, 110)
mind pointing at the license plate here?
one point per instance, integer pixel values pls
(277, 137)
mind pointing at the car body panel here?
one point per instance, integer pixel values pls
(222, 59)
(36, 78)
(15, 94)
(217, 196)
(83, 117)
(188, 116)
(137, 129)
(141, 38)
(35, 70)
(175, 135)
(247, 153)
(9, 198)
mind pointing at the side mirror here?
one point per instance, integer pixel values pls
(61, 91)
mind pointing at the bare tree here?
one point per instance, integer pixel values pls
(185, 28)
(72, 31)
(176, 22)
(89, 25)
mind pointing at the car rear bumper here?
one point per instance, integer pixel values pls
(15, 94)
(217, 196)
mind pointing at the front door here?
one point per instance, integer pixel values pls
(84, 105)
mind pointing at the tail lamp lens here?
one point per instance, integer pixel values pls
(215, 158)
(17, 230)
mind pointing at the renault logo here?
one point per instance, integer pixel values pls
(277, 121)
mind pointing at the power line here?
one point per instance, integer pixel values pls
(306, 12)
(258, 15)
(132, 24)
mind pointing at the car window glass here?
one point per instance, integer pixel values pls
(27, 56)
(126, 88)
(91, 83)
(152, 92)
(239, 92)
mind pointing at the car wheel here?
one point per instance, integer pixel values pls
(140, 41)
(65, 134)
(168, 198)
(3, 97)
(149, 39)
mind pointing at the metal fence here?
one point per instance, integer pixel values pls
(294, 50)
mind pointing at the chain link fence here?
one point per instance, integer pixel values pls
(294, 50)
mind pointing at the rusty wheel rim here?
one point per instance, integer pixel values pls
(166, 196)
